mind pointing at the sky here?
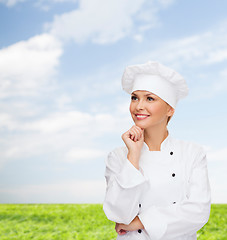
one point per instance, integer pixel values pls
(62, 108)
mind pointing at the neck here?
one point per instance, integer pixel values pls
(154, 137)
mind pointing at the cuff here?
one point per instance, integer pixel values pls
(153, 223)
(129, 176)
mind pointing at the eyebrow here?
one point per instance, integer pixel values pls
(145, 94)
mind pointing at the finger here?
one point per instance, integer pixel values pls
(122, 232)
(119, 229)
(141, 130)
(131, 134)
(139, 133)
(134, 134)
(126, 135)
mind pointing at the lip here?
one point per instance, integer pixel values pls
(141, 116)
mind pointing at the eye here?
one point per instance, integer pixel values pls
(150, 99)
(133, 98)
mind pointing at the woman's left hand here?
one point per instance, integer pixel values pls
(135, 225)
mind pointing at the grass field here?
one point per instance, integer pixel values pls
(80, 222)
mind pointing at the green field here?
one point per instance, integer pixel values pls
(80, 221)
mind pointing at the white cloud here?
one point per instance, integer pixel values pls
(65, 136)
(59, 121)
(221, 84)
(57, 134)
(218, 188)
(63, 101)
(59, 1)
(103, 22)
(6, 122)
(217, 155)
(92, 191)
(166, 3)
(45, 4)
(28, 65)
(200, 56)
(217, 166)
(79, 154)
(99, 20)
(75, 121)
(138, 37)
(207, 48)
(53, 133)
(11, 3)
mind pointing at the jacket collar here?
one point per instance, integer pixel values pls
(164, 145)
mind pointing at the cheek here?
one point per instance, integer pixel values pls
(153, 109)
(131, 108)
(157, 110)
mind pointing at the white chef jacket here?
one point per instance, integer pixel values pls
(170, 193)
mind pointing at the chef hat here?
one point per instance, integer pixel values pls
(156, 78)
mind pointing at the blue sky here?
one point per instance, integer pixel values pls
(62, 107)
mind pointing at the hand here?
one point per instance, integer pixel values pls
(134, 139)
(135, 225)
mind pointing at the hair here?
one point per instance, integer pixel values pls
(168, 119)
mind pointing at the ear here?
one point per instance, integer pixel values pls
(170, 111)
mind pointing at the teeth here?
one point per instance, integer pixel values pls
(141, 116)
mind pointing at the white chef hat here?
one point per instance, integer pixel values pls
(156, 78)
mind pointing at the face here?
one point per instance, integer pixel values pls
(149, 110)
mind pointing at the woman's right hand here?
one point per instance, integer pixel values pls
(134, 139)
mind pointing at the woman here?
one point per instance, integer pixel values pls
(157, 186)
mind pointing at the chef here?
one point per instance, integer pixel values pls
(157, 186)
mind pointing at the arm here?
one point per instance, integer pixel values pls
(186, 217)
(125, 181)
(135, 225)
(125, 185)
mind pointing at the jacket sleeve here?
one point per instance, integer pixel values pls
(186, 217)
(125, 185)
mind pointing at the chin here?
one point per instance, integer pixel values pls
(141, 125)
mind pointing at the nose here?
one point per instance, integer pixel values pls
(140, 105)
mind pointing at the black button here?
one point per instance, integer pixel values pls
(171, 153)
(139, 205)
(174, 202)
(173, 175)
(139, 231)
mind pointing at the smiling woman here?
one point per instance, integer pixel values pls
(146, 105)
(157, 186)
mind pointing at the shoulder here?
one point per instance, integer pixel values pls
(119, 152)
(188, 148)
(191, 153)
(117, 157)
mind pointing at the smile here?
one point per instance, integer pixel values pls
(141, 116)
